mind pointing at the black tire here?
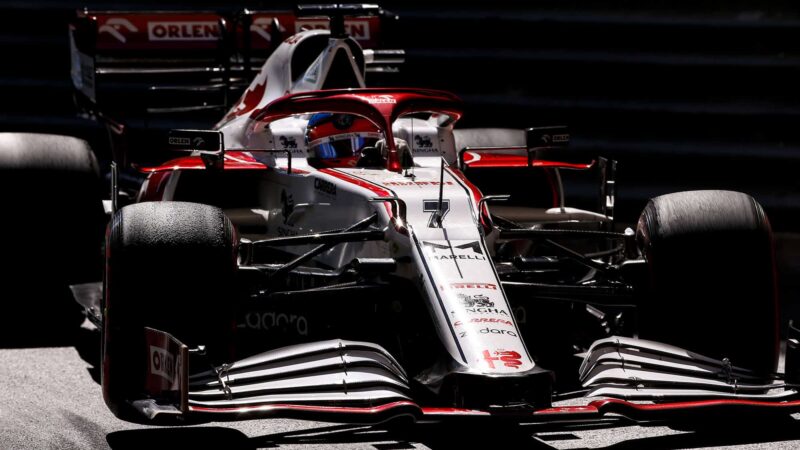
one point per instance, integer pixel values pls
(712, 276)
(53, 230)
(169, 266)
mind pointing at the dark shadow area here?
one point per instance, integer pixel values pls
(434, 436)
(40, 317)
(700, 95)
(444, 436)
(720, 435)
(476, 434)
(199, 437)
(334, 434)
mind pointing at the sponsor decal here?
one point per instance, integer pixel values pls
(477, 300)
(163, 364)
(167, 359)
(458, 323)
(423, 141)
(380, 99)
(195, 140)
(270, 320)
(487, 330)
(325, 186)
(182, 141)
(417, 183)
(432, 206)
(480, 304)
(288, 142)
(555, 138)
(183, 31)
(358, 29)
(507, 358)
(447, 252)
(115, 26)
(463, 285)
(451, 257)
(498, 311)
(423, 144)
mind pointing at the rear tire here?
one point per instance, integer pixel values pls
(712, 276)
(53, 227)
(169, 266)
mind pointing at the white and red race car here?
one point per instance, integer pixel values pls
(327, 251)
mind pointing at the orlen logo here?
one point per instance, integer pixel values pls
(179, 140)
(183, 31)
(162, 363)
(357, 29)
(114, 27)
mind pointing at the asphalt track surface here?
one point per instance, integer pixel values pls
(50, 398)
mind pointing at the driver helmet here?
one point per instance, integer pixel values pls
(336, 140)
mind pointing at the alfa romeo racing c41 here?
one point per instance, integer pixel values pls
(330, 250)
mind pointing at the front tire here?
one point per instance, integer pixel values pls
(169, 266)
(712, 279)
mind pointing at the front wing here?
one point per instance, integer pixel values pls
(359, 382)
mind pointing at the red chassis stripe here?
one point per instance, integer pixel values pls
(486, 160)
(595, 410)
(234, 160)
(633, 411)
(699, 411)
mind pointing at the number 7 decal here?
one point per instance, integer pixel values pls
(432, 206)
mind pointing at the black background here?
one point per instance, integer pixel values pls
(685, 95)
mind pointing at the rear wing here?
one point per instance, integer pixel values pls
(130, 66)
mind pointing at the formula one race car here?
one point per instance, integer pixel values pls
(338, 252)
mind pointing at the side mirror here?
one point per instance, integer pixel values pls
(194, 140)
(209, 144)
(550, 144)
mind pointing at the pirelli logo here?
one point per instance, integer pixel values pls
(183, 31)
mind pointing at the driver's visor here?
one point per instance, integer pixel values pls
(343, 145)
